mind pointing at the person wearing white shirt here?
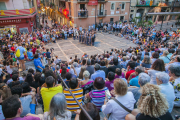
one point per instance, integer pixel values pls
(121, 95)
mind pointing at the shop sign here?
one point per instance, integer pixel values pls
(11, 21)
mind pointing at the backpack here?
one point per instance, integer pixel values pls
(18, 54)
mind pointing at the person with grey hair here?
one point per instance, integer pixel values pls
(58, 109)
(134, 81)
(76, 67)
(146, 62)
(176, 62)
(174, 72)
(89, 67)
(164, 57)
(167, 89)
(98, 72)
(143, 79)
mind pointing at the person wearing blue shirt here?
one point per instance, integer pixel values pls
(167, 89)
(37, 63)
(21, 58)
(134, 81)
(164, 57)
(29, 54)
(98, 72)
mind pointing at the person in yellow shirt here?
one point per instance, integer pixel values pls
(48, 92)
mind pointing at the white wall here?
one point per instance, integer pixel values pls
(17, 4)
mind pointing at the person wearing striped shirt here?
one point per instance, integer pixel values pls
(78, 93)
(97, 96)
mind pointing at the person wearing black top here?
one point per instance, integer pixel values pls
(152, 105)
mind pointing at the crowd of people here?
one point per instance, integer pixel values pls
(137, 83)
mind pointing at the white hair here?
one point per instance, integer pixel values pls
(144, 78)
(162, 76)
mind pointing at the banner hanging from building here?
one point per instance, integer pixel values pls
(93, 2)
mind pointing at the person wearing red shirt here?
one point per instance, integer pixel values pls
(34, 49)
(13, 48)
(130, 69)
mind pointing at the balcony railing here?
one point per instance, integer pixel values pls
(82, 0)
(82, 14)
(102, 0)
(102, 13)
(143, 3)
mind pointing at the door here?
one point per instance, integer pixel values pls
(111, 20)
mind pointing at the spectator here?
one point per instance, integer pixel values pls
(21, 57)
(29, 79)
(167, 89)
(164, 57)
(98, 72)
(146, 62)
(28, 102)
(12, 110)
(35, 84)
(152, 105)
(157, 66)
(68, 78)
(1, 100)
(130, 69)
(155, 56)
(124, 97)
(110, 80)
(58, 109)
(77, 69)
(175, 62)
(48, 55)
(91, 110)
(143, 79)
(83, 68)
(103, 67)
(37, 63)
(49, 92)
(119, 73)
(116, 65)
(86, 84)
(5, 91)
(134, 81)
(97, 96)
(78, 93)
(174, 72)
(16, 81)
(89, 67)
(124, 62)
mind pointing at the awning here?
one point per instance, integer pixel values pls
(19, 17)
(93, 2)
(163, 13)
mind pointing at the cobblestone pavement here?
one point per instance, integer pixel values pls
(65, 49)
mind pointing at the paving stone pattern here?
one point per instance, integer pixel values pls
(65, 49)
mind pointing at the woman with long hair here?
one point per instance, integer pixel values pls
(58, 109)
(83, 68)
(146, 62)
(152, 105)
(157, 66)
(29, 79)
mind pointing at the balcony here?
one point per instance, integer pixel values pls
(143, 3)
(102, 13)
(102, 1)
(82, 1)
(82, 14)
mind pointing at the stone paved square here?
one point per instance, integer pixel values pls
(65, 49)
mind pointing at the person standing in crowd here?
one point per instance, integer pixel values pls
(21, 56)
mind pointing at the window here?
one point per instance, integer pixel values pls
(132, 10)
(123, 6)
(3, 6)
(111, 20)
(122, 18)
(112, 6)
(25, 4)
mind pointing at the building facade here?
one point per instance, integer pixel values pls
(17, 16)
(139, 8)
(83, 13)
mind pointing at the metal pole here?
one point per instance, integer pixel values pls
(162, 21)
(85, 112)
(95, 16)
